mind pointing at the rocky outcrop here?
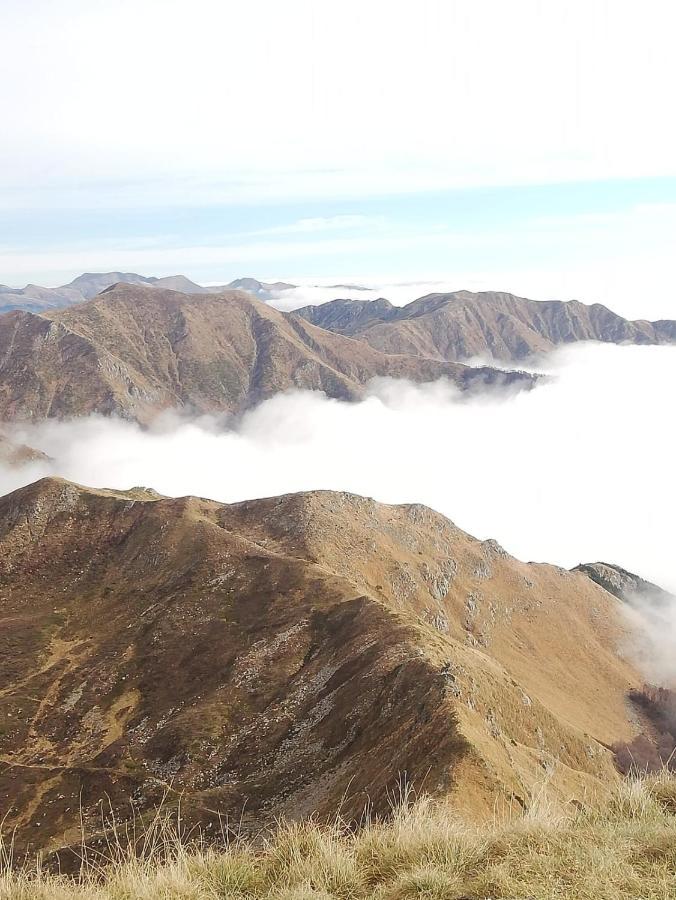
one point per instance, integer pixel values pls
(623, 584)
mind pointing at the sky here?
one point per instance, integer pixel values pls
(476, 144)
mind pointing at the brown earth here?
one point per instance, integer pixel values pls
(136, 350)
(296, 655)
(489, 324)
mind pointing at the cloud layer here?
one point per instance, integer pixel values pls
(580, 469)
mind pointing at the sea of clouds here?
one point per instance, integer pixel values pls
(578, 470)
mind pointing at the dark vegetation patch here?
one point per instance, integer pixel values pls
(651, 751)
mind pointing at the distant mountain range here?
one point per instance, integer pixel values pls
(146, 344)
(34, 298)
(285, 657)
(137, 349)
(448, 327)
(490, 324)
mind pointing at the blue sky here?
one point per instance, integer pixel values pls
(565, 240)
(524, 147)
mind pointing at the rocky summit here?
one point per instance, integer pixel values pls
(285, 657)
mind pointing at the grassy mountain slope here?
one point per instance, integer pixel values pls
(462, 325)
(285, 657)
(136, 350)
(622, 849)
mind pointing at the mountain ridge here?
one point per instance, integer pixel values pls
(490, 324)
(453, 327)
(136, 350)
(320, 645)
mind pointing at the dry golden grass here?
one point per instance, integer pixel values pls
(624, 849)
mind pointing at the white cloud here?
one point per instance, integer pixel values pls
(653, 636)
(580, 469)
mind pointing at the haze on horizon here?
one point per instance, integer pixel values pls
(360, 142)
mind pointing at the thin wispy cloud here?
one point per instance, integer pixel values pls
(320, 224)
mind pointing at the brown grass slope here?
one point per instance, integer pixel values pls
(621, 849)
(136, 350)
(463, 324)
(286, 656)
